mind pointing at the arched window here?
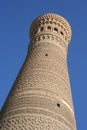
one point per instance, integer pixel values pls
(49, 28)
(61, 33)
(55, 29)
(41, 29)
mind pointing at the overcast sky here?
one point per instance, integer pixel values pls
(16, 17)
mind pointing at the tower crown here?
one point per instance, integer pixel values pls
(51, 24)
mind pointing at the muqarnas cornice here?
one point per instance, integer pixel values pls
(52, 24)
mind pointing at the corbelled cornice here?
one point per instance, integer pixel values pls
(58, 22)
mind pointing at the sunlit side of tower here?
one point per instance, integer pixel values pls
(40, 98)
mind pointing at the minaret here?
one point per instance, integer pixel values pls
(40, 98)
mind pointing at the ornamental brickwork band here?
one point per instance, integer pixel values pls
(40, 98)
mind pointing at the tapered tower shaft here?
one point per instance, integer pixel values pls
(40, 98)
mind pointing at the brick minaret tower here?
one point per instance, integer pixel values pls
(40, 98)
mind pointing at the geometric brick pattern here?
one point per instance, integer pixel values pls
(36, 122)
(40, 98)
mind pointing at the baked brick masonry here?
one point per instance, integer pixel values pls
(40, 98)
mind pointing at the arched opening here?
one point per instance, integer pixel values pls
(61, 33)
(55, 29)
(41, 29)
(48, 28)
